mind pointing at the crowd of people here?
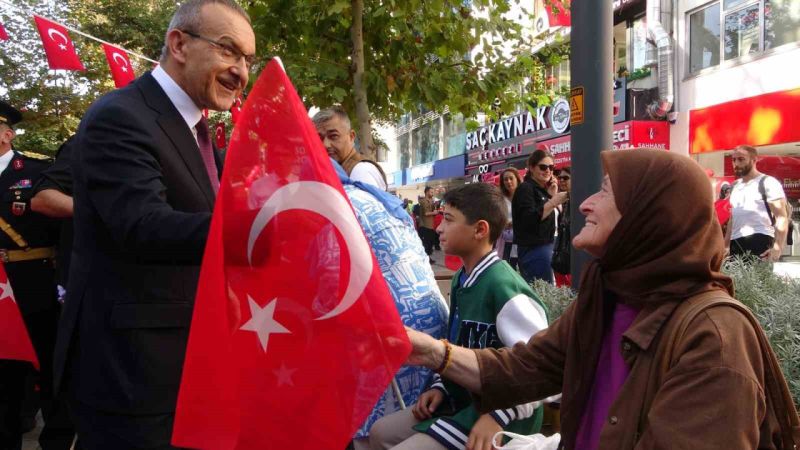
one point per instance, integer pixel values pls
(653, 353)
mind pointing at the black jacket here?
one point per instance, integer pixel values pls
(143, 206)
(33, 281)
(526, 213)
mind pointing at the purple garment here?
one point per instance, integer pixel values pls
(609, 377)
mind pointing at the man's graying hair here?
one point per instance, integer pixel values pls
(329, 113)
(187, 18)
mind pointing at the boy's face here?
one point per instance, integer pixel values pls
(456, 236)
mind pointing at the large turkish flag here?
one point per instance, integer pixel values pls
(14, 340)
(295, 335)
(57, 45)
(120, 65)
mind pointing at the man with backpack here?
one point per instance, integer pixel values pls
(760, 220)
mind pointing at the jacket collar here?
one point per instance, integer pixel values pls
(487, 261)
(649, 322)
(176, 129)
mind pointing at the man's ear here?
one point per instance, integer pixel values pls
(352, 135)
(176, 45)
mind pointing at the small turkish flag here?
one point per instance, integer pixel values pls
(14, 340)
(120, 65)
(236, 110)
(219, 135)
(3, 35)
(558, 13)
(57, 45)
(295, 335)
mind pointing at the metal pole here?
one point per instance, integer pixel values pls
(591, 59)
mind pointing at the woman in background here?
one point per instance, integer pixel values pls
(506, 249)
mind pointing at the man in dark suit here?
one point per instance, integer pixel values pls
(145, 182)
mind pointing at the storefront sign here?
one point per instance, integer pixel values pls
(620, 107)
(514, 135)
(785, 169)
(418, 174)
(762, 120)
(633, 134)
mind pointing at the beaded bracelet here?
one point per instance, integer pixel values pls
(448, 356)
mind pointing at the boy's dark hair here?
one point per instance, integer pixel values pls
(427, 188)
(480, 201)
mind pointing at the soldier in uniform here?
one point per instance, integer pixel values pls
(27, 242)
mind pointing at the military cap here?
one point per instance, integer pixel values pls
(8, 114)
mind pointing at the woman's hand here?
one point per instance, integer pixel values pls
(552, 186)
(427, 404)
(482, 434)
(559, 198)
(425, 350)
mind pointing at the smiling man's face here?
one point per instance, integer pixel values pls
(211, 80)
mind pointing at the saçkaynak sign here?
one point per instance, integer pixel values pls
(542, 118)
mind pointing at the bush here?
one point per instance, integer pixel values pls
(774, 300)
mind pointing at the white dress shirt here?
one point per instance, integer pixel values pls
(183, 103)
(5, 160)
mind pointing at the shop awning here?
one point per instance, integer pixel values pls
(761, 120)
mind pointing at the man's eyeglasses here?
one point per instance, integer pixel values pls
(545, 167)
(563, 178)
(230, 53)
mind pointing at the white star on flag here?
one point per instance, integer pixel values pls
(262, 323)
(6, 292)
(124, 69)
(284, 375)
(62, 47)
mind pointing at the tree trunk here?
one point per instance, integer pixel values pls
(359, 89)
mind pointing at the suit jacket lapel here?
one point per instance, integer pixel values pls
(178, 132)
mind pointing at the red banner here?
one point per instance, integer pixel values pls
(558, 13)
(14, 340)
(58, 46)
(120, 65)
(3, 34)
(295, 335)
(762, 120)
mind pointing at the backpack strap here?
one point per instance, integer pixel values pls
(763, 191)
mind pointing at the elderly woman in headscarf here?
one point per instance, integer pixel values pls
(654, 352)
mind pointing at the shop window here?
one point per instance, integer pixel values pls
(704, 39)
(558, 76)
(620, 47)
(455, 134)
(748, 27)
(741, 32)
(404, 151)
(638, 43)
(781, 22)
(425, 142)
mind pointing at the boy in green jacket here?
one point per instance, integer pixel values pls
(491, 306)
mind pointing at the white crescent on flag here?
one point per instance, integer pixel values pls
(326, 201)
(121, 61)
(53, 31)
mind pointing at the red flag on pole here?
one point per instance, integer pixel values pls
(236, 110)
(219, 134)
(57, 45)
(295, 335)
(120, 65)
(14, 340)
(3, 35)
(558, 13)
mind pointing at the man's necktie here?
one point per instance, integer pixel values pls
(207, 152)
